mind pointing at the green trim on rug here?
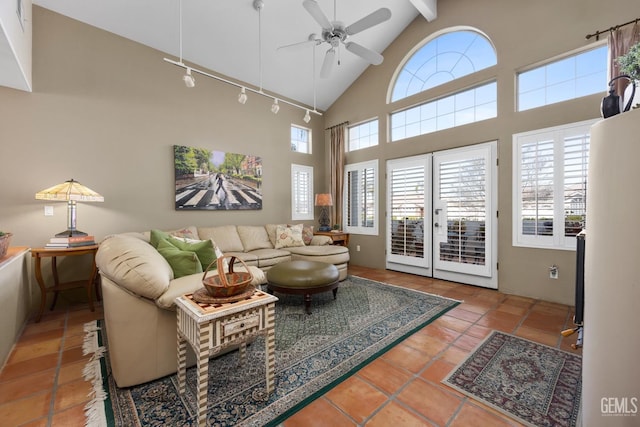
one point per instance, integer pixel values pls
(533, 383)
(361, 365)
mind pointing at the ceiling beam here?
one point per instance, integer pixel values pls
(428, 8)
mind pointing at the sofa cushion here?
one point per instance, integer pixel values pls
(254, 237)
(185, 233)
(289, 236)
(269, 257)
(182, 262)
(307, 234)
(225, 236)
(271, 232)
(135, 265)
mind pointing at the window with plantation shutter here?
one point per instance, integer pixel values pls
(361, 198)
(406, 195)
(301, 192)
(550, 185)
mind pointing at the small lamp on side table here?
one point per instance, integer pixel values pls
(324, 200)
(70, 192)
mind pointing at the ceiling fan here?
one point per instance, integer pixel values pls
(335, 32)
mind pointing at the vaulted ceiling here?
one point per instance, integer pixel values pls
(235, 39)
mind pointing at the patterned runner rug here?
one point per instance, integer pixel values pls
(313, 354)
(536, 384)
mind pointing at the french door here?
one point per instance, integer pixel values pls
(442, 219)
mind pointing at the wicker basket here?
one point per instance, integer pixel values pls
(5, 241)
(227, 284)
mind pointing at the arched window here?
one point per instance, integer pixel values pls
(443, 59)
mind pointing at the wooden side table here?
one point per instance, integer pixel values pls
(209, 328)
(39, 253)
(338, 238)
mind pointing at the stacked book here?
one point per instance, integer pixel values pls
(70, 242)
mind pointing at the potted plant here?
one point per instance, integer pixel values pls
(629, 64)
(5, 240)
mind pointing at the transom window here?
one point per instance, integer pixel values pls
(443, 59)
(363, 135)
(465, 107)
(578, 75)
(300, 139)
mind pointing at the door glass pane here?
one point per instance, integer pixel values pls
(407, 211)
(462, 187)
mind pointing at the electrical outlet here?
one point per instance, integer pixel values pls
(553, 272)
(48, 211)
(357, 248)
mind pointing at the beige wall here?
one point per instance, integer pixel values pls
(523, 33)
(107, 112)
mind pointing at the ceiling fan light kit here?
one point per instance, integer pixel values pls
(190, 81)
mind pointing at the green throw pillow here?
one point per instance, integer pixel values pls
(203, 248)
(156, 236)
(183, 263)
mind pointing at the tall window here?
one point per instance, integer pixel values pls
(363, 135)
(301, 192)
(550, 183)
(443, 59)
(568, 78)
(300, 139)
(361, 198)
(465, 107)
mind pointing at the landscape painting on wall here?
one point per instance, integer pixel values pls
(215, 180)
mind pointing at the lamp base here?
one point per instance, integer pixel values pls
(324, 228)
(71, 233)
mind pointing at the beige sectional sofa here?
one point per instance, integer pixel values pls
(139, 288)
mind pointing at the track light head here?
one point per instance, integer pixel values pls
(242, 96)
(275, 107)
(307, 117)
(188, 79)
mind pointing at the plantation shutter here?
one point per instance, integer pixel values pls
(407, 211)
(360, 201)
(301, 192)
(537, 183)
(576, 158)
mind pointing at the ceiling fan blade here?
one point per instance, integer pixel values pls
(327, 64)
(369, 21)
(301, 44)
(372, 57)
(316, 13)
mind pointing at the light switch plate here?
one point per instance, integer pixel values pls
(48, 211)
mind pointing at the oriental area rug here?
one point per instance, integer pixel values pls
(533, 383)
(313, 354)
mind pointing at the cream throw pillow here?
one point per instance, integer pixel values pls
(289, 236)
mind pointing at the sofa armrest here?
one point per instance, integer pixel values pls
(320, 241)
(134, 265)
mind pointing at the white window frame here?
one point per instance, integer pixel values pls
(363, 126)
(558, 134)
(372, 210)
(301, 198)
(294, 142)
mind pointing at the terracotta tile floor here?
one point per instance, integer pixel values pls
(41, 384)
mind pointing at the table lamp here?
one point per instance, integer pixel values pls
(324, 200)
(71, 192)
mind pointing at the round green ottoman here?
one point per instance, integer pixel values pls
(303, 278)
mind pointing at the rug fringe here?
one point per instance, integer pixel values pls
(94, 409)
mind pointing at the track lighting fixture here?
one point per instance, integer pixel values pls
(307, 117)
(275, 107)
(188, 79)
(242, 96)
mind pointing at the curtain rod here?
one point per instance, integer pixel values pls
(597, 33)
(339, 124)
